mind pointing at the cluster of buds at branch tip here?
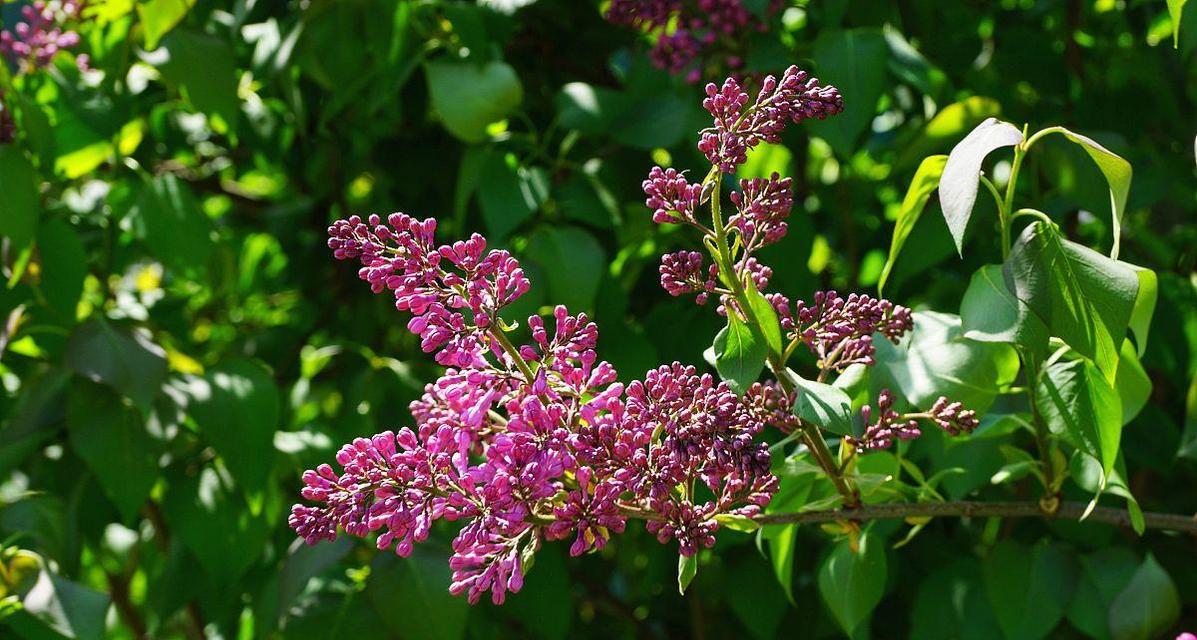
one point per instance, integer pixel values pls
(41, 34)
(891, 426)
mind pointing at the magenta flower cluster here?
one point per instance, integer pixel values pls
(32, 43)
(523, 444)
(694, 37)
(838, 330)
(891, 426)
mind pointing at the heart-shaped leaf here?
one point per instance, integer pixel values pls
(962, 173)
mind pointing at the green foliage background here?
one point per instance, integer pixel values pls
(179, 344)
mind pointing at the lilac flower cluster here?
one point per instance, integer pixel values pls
(891, 425)
(740, 125)
(528, 443)
(839, 331)
(693, 37)
(32, 43)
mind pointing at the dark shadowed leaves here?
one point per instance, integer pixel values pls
(236, 407)
(124, 360)
(1029, 587)
(111, 438)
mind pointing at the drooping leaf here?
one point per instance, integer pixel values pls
(1176, 10)
(935, 360)
(1188, 438)
(1117, 172)
(824, 405)
(1147, 607)
(852, 582)
(925, 181)
(124, 360)
(469, 96)
(1089, 475)
(158, 17)
(1083, 297)
(961, 175)
(1029, 588)
(687, 568)
(854, 61)
(68, 608)
(739, 354)
(1080, 406)
(113, 442)
(1141, 315)
(989, 312)
(1132, 383)
(236, 407)
(18, 196)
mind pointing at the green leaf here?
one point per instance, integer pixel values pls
(793, 493)
(18, 196)
(961, 176)
(768, 327)
(174, 228)
(989, 312)
(1132, 383)
(854, 61)
(1188, 438)
(757, 602)
(1104, 574)
(1089, 475)
(1147, 607)
(852, 583)
(412, 595)
(236, 407)
(687, 568)
(1118, 176)
(508, 193)
(64, 266)
(1083, 297)
(68, 608)
(1029, 588)
(1079, 406)
(215, 523)
(573, 263)
(203, 66)
(935, 360)
(124, 360)
(113, 442)
(469, 96)
(739, 354)
(1176, 9)
(736, 522)
(926, 180)
(1145, 300)
(160, 16)
(824, 405)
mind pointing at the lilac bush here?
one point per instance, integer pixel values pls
(526, 443)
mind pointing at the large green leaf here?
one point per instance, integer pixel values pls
(113, 442)
(739, 354)
(854, 61)
(18, 196)
(925, 181)
(824, 405)
(767, 327)
(124, 360)
(989, 312)
(962, 175)
(160, 16)
(1029, 588)
(1144, 311)
(1083, 297)
(1147, 607)
(508, 193)
(1080, 406)
(1132, 383)
(215, 522)
(67, 608)
(852, 582)
(175, 229)
(412, 595)
(1104, 574)
(236, 407)
(469, 96)
(935, 360)
(64, 266)
(573, 263)
(203, 66)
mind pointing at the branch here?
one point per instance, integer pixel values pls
(969, 509)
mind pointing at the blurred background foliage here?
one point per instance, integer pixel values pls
(178, 344)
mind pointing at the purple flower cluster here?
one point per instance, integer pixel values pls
(740, 125)
(684, 272)
(32, 43)
(528, 443)
(671, 197)
(694, 37)
(839, 331)
(891, 425)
